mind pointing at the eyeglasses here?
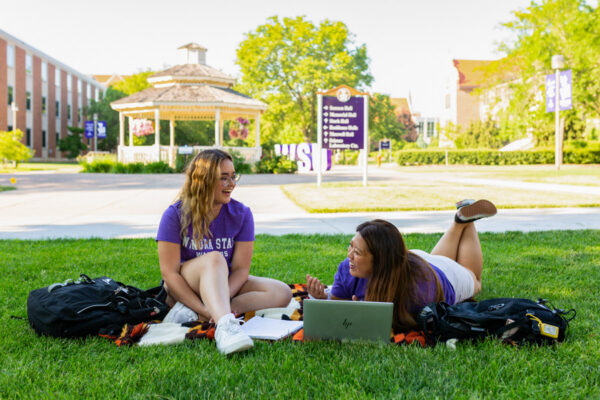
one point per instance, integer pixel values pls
(230, 180)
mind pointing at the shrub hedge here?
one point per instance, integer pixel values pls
(114, 167)
(495, 157)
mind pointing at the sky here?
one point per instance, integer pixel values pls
(410, 43)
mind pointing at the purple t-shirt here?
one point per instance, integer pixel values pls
(234, 223)
(345, 285)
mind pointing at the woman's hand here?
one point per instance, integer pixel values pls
(315, 288)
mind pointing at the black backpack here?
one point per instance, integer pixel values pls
(81, 308)
(513, 320)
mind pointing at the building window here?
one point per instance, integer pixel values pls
(44, 71)
(89, 90)
(430, 127)
(28, 137)
(44, 104)
(10, 56)
(28, 96)
(57, 77)
(79, 86)
(57, 108)
(28, 63)
(9, 128)
(79, 114)
(44, 138)
(10, 95)
(69, 82)
(69, 111)
(57, 137)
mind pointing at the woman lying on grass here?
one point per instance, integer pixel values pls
(379, 267)
(205, 245)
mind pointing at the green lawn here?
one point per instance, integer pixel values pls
(437, 188)
(423, 195)
(41, 166)
(5, 188)
(586, 175)
(560, 266)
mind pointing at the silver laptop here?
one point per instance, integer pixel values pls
(347, 320)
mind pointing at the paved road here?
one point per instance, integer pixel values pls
(54, 205)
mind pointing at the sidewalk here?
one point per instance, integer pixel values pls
(55, 205)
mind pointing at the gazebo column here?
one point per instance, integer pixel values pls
(257, 144)
(172, 142)
(157, 133)
(130, 132)
(121, 137)
(257, 128)
(221, 131)
(217, 127)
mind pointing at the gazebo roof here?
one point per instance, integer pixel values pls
(190, 91)
(191, 73)
(188, 95)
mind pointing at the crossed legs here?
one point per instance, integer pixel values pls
(461, 244)
(207, 276)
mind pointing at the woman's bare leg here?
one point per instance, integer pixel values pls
(259, 293)
(449, 243)
(461, 244)
(208, 276)
(469, 251)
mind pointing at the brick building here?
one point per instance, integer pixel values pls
(49, 96)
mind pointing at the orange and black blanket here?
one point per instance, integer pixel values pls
(131, 334)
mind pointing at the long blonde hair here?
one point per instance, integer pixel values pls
(198, 192)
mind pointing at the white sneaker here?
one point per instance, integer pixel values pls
(229, 336)
(180, 314)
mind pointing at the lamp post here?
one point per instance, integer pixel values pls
(95, 132)
(14, 108)
(558, 62)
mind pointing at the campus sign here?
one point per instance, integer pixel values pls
(565, 100)
(343, 116)
(342, 119)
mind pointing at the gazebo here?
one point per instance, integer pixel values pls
(187, 92)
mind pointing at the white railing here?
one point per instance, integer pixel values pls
(147, 154)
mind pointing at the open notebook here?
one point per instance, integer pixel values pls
(269, 328)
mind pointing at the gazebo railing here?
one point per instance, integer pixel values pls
(147, 154)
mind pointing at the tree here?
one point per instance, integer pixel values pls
(134, 83)
(106, 113)
(408, 126)
(72, 144)
(11, 148)
(285, 63)
(480, 135)
(128, 86)
(383, 122)
(546, 28)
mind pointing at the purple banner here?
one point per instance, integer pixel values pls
(89, 129)
(565, 100)
(343, 122)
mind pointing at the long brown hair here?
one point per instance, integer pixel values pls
(396, 272)
(198, 192)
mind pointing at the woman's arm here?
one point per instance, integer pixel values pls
(170, 265)
(240, 266)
